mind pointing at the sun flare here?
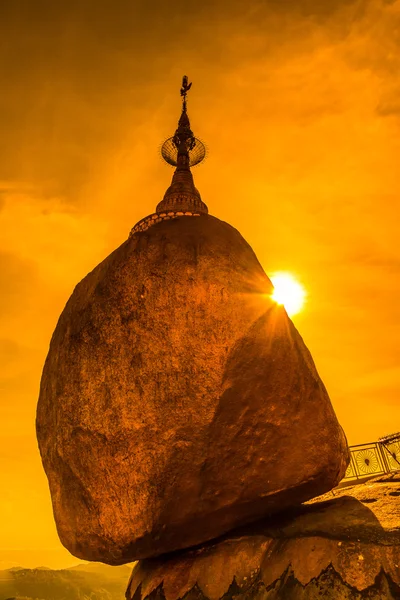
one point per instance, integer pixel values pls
(289, 292)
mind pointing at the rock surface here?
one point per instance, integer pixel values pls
(343, 548)
(178, 400)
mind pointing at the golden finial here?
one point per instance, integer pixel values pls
(183, 143)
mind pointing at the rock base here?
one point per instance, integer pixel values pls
(328, 585)
(345, 547)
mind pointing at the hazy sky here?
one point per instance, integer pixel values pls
(298, 102)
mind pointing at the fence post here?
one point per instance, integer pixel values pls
(354, 464)
(384, 458)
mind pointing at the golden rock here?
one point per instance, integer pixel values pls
(178, 401)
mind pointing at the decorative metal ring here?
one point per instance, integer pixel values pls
(367, 461)
(169, 152)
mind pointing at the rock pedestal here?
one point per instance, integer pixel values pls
(178, 400)
(344, 548)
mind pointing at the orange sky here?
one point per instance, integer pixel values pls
(298, 103)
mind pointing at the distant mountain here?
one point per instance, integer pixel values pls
(105, 570)
(92, 581)
(12, 569)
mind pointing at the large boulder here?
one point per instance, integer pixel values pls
(346, 547)
(178, 400)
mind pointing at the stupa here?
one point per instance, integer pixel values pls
(182, 151)
(178, 400)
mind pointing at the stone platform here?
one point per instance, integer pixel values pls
(342, 546)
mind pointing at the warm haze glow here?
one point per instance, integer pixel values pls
(298, 103)
(289, 292)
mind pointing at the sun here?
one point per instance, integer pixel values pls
(289, 292)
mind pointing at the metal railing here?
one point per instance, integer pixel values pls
(376, 458)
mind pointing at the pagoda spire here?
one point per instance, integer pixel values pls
(182, 151)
